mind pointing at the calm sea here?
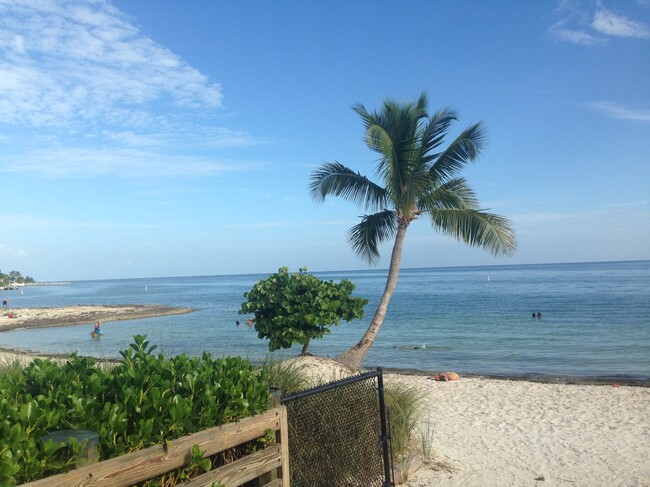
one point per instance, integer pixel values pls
(595, 319)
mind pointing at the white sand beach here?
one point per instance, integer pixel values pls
(488, 432)
(512, 433)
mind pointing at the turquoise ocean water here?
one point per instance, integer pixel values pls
(595, 319)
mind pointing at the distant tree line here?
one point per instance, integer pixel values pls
(14, 277)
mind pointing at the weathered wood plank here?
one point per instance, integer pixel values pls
(135, 467)
(283, 433)
(274, 483)
(241, 471)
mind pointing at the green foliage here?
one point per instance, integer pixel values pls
(297, 307)
(143, 401)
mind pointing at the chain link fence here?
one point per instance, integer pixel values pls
(337, 434)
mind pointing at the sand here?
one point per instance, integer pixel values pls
(490, 432)
(77, 315)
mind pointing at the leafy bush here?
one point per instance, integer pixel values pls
(294, 308)
(143, 401)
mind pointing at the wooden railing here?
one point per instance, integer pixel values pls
(152, 462)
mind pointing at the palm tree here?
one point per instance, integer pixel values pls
(419, 180)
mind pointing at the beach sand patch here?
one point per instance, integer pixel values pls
(80, 314)
(319, 370)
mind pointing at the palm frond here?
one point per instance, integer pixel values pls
(477, 228)
(367, 118)
(419, 177)
(454, 193)
(370, 232)
(465, 148)
(333, 178)
(433, 133)
(378, 139)
(395, 133)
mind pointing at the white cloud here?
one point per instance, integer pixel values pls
(12, 252)
(77, 72)
(67, 62)
(124, 163)
(562, 33)
(578, 24)
(615, 110)
(609, 23)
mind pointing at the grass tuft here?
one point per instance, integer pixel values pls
(285, 376)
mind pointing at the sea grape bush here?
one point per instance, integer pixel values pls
(298, 307)
(143, 401)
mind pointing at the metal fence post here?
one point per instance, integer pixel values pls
(384, 430)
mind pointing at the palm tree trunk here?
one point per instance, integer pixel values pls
(355, 355)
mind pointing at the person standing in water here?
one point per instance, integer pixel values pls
(97, 329)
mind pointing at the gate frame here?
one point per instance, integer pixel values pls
(389, 480)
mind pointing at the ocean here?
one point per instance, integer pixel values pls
(473, 320)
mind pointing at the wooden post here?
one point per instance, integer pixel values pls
(276, 397)
(267, 478)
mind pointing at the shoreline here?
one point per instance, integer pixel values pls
(535, 378)
(26, 318)
(82, 314)
(8, 355)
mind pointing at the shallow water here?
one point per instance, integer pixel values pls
(595, 319)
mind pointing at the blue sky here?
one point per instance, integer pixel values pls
(148, 138)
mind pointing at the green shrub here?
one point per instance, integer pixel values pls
(299, 307)
(143, 401)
